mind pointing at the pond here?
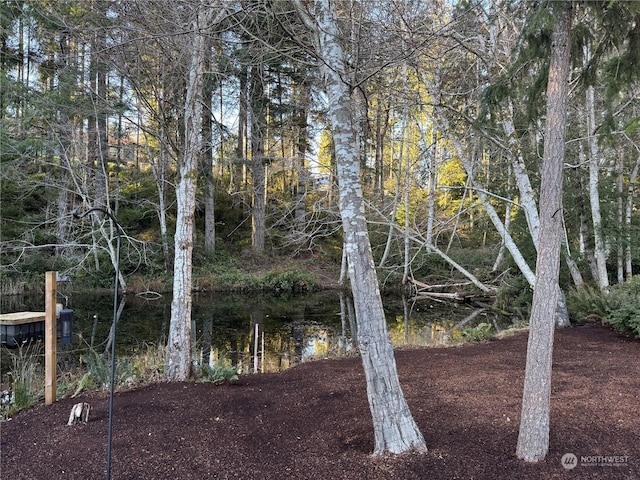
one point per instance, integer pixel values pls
(255, 332)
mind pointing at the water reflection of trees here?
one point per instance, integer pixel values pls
(294, 329)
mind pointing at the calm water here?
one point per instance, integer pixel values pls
(289, 330)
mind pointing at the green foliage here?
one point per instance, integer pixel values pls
(515, 296)
(587, 302)
(624, 312)
(85, 382)
(99, 370)
(288, 281)
(479, 333)
(235, 280)
(27, 377)
(220, 371)
(620, 308)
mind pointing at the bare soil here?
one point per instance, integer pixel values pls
(313, 421)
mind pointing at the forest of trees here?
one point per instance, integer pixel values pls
(447, 101)
(393, 133)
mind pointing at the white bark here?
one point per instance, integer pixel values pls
(405, 153)
(507, 223)
(627, 218)
(620, 240)
(394, 210)
(394, 427)
(522, 264)
(527, 195)
(594, 179)
(178, 360)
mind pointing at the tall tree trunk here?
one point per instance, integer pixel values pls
(533, 439)
(594, 181)
(394, 205)
(620, 239)
(627, 219)
(527, 195)
(159, 168)
(507, 222)
(302, 144)
(207, 157)
(258, 167)
(178, 360)
(382, 122)
(394, 427)
(98, 140)
(238, 166)
(433, 173)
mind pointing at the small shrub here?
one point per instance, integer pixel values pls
(99, 370)
(479, 333)
(220, 371)
(147, 364)
(27, 376)
(624, 307)
(288, 281)
(587, 302)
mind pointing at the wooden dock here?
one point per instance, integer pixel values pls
(19, 327)
(20, 318)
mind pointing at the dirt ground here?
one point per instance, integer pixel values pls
(313, 421)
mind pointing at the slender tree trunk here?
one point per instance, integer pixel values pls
(594, 181)
(178, 360)
(159, 167)
(382, 122)
(510, 244)
(258, 167)
(407, 201)
(533, 439)
(527, 195)
(627, 219)
(394, 427)
(207, 157)
(620, 236)
(301, 153)
(433, 173)
(238, 166)
(65, 129)
(98, 140)
(507, 222)
(394, 209)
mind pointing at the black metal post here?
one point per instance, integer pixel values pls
(113, 327)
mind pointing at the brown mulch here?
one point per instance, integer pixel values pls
(313, 421)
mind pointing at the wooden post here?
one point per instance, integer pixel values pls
(50, 338)
(255, 350)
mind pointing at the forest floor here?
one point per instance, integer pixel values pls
(313, 421)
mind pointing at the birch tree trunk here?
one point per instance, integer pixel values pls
(527, 196)
(627, 219)
(602, 277)
(394, 427)
(178, 360)
(533, 439)
(620, 207)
